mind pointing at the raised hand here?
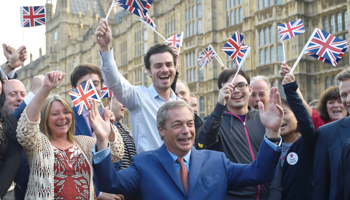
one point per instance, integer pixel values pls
(225, 93)
(53, 79)
(18, 57)
(7, 50)
(272, 117)
(288, 78)
(101, 126)
(284, 69)
(103, 35)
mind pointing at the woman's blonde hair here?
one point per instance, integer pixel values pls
(44, 128)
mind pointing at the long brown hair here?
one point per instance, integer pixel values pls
(44, 128)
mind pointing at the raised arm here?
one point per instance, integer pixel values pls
(121, 88)
(305, 124)
(209, 132)
(14, 57)
(51, 81)
(286, 69)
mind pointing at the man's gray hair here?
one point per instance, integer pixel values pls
(162, 114)
(344, 75)
(264, 78)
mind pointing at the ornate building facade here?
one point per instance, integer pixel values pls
(70, 40)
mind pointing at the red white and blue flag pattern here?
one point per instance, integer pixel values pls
(233, 45)
(242, 55)
(149, 22)
(32, 16)
(106, 92)
(290, 29)
(83, 95)
(325, 46)
(138, 7)
(175, 40)
(334, 63)
(206, 56)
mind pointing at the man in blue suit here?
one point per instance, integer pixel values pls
(204, 174)
(331, 138)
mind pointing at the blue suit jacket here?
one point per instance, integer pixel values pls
(331, 138)
(81, 128)
(152, 174)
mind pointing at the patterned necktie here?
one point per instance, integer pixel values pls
(183, 173)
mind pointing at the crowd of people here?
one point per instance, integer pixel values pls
(253, 145)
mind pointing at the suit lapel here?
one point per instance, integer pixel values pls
(165, 159)
(196, 162)
(344, 130)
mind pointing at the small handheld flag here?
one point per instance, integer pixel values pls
(233, 45)
(290, 29)
(105, 92)
(206, 56)
(83, 94)
(175, 40)
(32, 16)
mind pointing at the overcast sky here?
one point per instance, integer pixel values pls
(14, 35)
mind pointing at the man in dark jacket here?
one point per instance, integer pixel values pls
(236, 130)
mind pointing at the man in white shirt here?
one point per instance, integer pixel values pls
(142, 103)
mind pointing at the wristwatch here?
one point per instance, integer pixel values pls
(9, 65)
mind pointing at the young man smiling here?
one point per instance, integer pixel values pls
(236, 129)
(142, 103)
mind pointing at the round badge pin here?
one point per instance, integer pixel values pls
(292, 158)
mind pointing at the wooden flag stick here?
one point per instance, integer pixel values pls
(302, 52)
(217, 56)
(110, 9)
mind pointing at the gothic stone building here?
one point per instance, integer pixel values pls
(70, 40)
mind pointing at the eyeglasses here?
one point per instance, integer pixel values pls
(240, 86)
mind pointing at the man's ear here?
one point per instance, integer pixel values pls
(161, 132)
(149, 72)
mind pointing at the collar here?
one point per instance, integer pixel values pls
(186, 157)
(153, 92)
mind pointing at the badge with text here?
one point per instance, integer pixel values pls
(292, 158)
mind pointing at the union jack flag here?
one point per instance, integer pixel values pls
(242, 55)
(206, 56)
(148, 22)
(138, 7)
(290, 29)
(325, 45)
(82, 95)
(233, 45)
(106, 92)
(175, 40)
(334, 63)
(32, 16)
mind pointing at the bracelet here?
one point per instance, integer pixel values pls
(9, 65)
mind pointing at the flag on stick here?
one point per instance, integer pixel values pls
(105, 92)
(175, 40)
(138, 7)
(323, 46)
(149, 22)
(290, 29)
(206, 56)
(242, 55)
(83, 94)
(233, 45)
(32, 16)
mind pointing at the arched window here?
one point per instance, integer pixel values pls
(261, 39)
(272, 55)
(232, 22)
(332, 24)
(261, 56)
(346, 20)
(328, 82)
(266, 35)
(267, 60)
(271, 34)
(325, 24)
(339, 22)
(201, 104)
(334, 80)
(260, 4)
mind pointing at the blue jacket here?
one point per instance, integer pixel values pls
(331, 138)
(297, 179)
(152, 174)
